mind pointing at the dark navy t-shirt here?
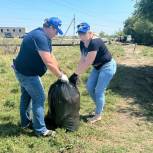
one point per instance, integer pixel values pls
(103, 55)
(28, 62)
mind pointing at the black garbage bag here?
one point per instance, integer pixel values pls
(63, 106)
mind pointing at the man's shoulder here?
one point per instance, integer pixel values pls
(35, 34)
(38, 33)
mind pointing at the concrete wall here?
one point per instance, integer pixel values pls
(13, 31)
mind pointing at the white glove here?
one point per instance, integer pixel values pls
(64, 78)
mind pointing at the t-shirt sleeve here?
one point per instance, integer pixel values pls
(81, 46)
(42, 44)
(93, 46)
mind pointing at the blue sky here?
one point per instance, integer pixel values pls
(102, 15)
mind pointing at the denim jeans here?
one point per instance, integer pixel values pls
(32, 90)
(98, 81)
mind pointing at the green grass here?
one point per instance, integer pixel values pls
(6, 41)
(117, 50)
(114, 134)
(147, 51)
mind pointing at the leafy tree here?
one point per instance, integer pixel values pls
(140, 25)
(103, 34)
(145, 8)
(140, 29)
(119, 33)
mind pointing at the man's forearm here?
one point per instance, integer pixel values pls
(54, 69)
(51, 62)
(54, 60)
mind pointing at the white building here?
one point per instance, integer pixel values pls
(12, 32)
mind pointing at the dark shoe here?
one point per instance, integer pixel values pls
(28, 126)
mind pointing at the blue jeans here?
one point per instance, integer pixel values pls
(32, 90)
(97, 83)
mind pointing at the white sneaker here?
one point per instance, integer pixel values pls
(94, 119)
(49, 133)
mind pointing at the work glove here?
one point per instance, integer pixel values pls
(64, 78)
(74, 79)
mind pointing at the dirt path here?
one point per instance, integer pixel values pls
(133, 58)
(132, 119)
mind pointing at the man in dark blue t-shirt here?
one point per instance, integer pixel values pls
(34, 57)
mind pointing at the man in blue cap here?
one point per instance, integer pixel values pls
(32, 61)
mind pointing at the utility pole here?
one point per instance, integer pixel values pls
(73, 21)
(74, 29)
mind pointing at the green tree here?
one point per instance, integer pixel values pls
(119, 33)
(140, 29)
(103, 34)
(145, 8)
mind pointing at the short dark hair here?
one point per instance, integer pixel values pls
(45, 25)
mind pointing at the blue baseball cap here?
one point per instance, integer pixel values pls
(56, 23)
(83, 27)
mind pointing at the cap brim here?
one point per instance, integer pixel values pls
(81, 31)
(60, 31)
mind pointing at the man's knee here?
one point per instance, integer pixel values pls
(39, 99)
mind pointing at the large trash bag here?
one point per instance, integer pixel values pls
(63, 106)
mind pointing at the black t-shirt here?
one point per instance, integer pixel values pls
(103, 55)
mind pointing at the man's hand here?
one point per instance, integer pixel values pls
(64, 78)
(74, 79)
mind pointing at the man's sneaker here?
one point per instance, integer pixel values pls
(94, 119)
(48, 133)
(28, 126)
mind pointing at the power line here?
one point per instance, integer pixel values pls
(72, 22)
(73, 8)
(88, 12)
